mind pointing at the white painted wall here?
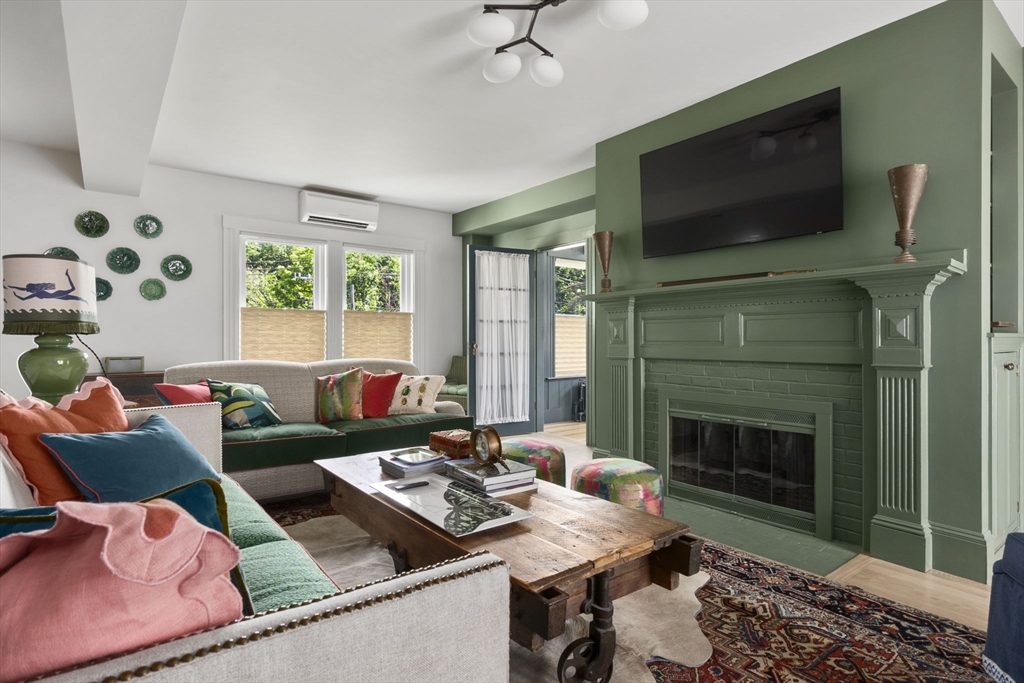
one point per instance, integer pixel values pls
(41, 193)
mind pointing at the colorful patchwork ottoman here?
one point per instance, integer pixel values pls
(548, 458)
(631, 483)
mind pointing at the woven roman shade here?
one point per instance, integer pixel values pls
(283, 334)
(570, 345)
(369, 334)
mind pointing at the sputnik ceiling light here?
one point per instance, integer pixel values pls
(491, 29)
(765, 144)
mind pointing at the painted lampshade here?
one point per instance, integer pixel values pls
(48, 295)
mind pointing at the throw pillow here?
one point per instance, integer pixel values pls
(340, 397)
(182, 394)
(243, 405)
(97, 407)
(119, 467)
(108, 579)
(378, 392)
(416, 394)
(23, 520)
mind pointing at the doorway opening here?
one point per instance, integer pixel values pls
(562, 276)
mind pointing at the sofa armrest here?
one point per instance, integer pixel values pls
(199, 422)
(449, 407)
(410, 627)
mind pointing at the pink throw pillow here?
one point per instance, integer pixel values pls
(183, 394)
(107, 579)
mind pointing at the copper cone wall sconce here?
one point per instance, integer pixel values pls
(907, 185)
(603, 242)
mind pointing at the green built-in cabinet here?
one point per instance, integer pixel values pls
(1007, 480)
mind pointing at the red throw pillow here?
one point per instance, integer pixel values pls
(378, 392)
(97, 407)
(182, 394)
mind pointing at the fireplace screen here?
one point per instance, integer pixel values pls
(772, 466)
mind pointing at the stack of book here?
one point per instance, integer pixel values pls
(412, 462)
(494, 480)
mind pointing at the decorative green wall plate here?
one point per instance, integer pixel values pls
(92, 224)
(153, 289)
(148, 226)
(103, 289)
(123, 260)
(63, 252)
(176, 267)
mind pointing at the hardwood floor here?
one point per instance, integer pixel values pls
(570, 430)
(943, 594)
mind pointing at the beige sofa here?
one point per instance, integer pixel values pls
(276, 462)
(397, 629)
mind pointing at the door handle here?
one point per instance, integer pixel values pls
(1009, 366)
(474, 348)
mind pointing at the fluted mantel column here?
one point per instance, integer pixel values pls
(901, 356)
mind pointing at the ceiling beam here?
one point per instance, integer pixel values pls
(119, 57)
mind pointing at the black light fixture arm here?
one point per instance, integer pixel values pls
(820, 117)
(528, 38)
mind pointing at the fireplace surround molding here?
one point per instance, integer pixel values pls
(877, 316)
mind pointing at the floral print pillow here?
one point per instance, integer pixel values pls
(416, 394)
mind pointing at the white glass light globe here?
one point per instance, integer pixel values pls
(546, 71)
(502, 67)
(805, 143)
(622, 15)
(490, 29)
(763, 148)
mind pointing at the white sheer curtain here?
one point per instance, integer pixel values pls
(503, 337)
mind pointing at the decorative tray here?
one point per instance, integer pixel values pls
(451, 505)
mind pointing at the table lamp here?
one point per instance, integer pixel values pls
(51, 297)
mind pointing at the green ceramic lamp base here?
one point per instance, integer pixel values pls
(54, 369)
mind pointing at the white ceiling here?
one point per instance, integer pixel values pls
(386, 99)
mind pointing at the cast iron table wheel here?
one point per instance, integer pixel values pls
(576, 661)
(589, 660)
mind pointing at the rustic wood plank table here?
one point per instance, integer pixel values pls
(575, 555)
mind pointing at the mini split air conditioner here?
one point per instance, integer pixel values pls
(338, 212)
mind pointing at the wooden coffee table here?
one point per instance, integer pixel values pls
(574, 556)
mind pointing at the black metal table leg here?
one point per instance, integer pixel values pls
(399, 557)
(589, 660)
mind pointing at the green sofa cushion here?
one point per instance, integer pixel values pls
(455, 390)
(249, 524)
(281, 573)
(294, 443)
(396, 431)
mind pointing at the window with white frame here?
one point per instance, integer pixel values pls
(301, 299)
(378, 304)
(283, 316)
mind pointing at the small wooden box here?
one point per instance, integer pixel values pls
(452, 442)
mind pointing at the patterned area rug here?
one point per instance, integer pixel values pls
(770, 622)
(303, 509)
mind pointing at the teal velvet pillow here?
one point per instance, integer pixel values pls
(21, 520)
(243, 405)
(124, 467)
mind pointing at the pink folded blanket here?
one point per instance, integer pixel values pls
(108, 578)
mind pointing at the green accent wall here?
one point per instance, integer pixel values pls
(915, 91)
(567, 196)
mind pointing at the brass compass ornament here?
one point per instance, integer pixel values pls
(485, 445)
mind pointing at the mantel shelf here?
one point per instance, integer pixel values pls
(882, 271)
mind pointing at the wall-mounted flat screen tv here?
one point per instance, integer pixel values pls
(772, 176)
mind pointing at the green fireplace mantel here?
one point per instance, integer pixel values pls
(951, 263)
(817, 317)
